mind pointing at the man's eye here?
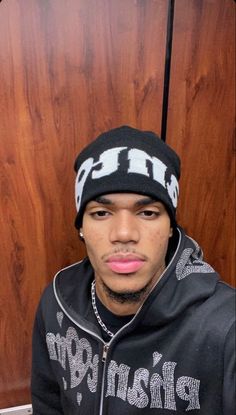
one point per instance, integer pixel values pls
(150, 214)
(99, 214)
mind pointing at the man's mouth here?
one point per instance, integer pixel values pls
(124, 264)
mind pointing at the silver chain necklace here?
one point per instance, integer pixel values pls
(93, 296)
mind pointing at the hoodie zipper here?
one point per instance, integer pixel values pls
(104, 353)
(104, 359)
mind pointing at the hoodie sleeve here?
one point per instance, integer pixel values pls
(45, 390)
(229, 384)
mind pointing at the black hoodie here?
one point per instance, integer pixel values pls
(175, 356)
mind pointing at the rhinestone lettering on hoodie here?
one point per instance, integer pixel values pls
(155, 387)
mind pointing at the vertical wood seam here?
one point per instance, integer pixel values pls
(166, 84)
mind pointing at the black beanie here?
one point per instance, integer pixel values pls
(127, 160)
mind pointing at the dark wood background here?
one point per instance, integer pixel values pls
(201, 122)
(70, 70)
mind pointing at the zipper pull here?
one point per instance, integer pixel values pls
(104, 353)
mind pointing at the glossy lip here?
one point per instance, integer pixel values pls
(125, 264)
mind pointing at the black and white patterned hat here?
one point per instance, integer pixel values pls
(127, 160)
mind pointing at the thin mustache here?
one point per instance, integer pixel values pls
(123, 250)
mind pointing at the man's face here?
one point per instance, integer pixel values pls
(126, 237)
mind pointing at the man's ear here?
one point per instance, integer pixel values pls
(171, 232)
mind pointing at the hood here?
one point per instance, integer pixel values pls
(187, 280)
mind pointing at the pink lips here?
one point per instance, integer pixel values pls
(124, 264)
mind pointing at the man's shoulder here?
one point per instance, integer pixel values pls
(219, 309)
(67, 278)
(68, 289)
(225, 292)
(225, 296)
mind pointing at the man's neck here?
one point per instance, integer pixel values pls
(124, 309)
(119, 308)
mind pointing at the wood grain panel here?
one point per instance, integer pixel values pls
(201, 125)
(69, 70)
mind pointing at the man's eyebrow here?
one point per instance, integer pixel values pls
(146, 201)
(103, 200)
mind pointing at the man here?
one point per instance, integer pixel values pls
(143, 325)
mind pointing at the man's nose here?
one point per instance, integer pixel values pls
(124, 228)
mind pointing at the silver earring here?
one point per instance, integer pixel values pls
(81, 235)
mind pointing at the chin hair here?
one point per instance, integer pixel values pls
(131, 297)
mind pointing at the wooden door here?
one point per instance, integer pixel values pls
(69, 70)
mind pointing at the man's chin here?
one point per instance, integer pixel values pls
(129, 297)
